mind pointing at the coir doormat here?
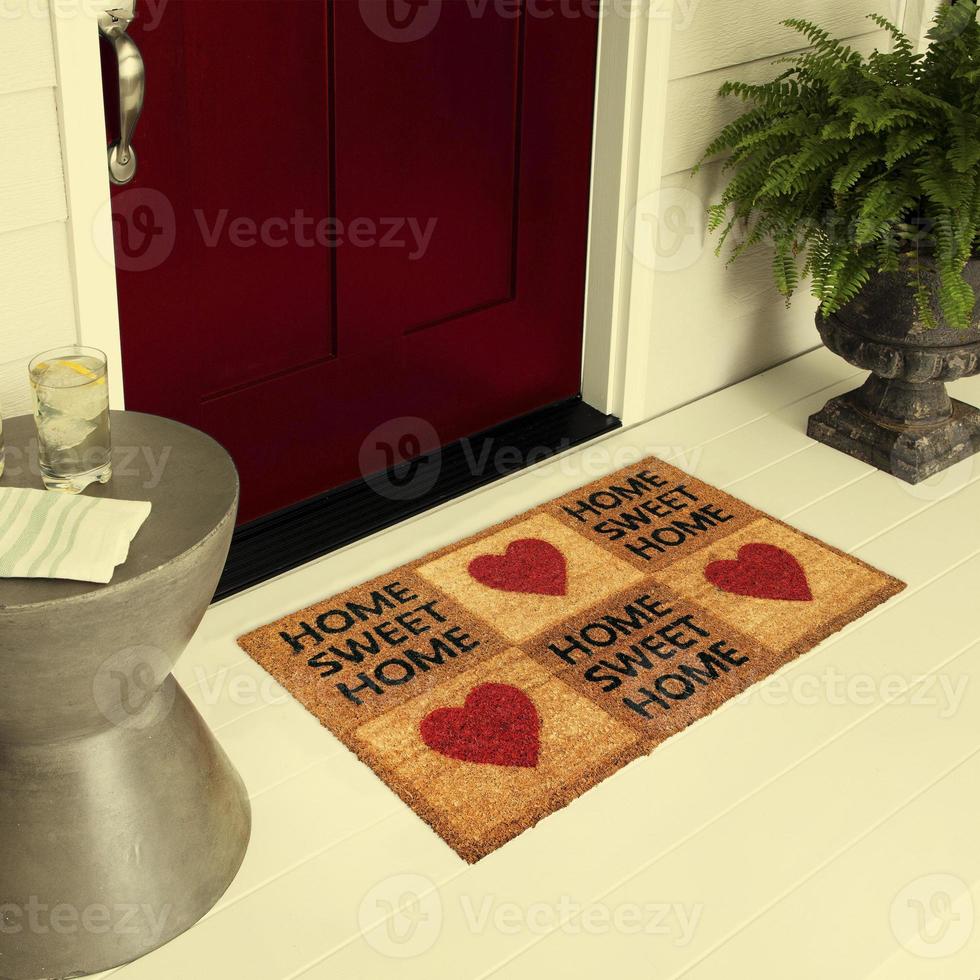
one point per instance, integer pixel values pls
(492, 682)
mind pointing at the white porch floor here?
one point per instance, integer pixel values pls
(797, 832)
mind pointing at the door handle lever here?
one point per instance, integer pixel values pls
(132, 88)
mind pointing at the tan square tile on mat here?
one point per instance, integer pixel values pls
(651, 514)
(363, 652)
(652, 659)
(777, 585)
(476, 793)
(528, 576)
(491, 682)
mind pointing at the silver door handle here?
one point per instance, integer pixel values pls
(132, 87)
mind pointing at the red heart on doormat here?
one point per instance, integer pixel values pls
(498, 724)
(762, 571)
(528, 565)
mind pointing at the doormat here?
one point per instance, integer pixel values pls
(492, 682)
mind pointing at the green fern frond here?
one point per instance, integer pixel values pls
(903, 143)
(848, 175)
(902, 44)
(954, 21)
(785, 270)
(965, 151)
(846, 166)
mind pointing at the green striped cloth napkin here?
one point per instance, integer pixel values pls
(60, 535)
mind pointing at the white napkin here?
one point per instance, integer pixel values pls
(59, 535)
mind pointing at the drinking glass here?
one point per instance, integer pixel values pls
(71, 411)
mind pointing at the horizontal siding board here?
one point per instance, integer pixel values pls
(715, 323)
(15, 392)
(26, 49)
(695, 112)
(711, 35)
(36, 303)
(32, 188)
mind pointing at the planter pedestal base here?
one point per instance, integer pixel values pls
(913, 451)
(902, 419)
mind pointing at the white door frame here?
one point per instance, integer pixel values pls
(917, 18)
(74, 28)
(630, 120)
(634, 42)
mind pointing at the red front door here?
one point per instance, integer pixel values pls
(353, 211)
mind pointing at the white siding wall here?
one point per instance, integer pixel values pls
(715, 325)
(36, 295)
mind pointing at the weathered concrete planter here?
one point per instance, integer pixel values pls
(901, 419)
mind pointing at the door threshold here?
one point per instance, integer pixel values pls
(290, 537)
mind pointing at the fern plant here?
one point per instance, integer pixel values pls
(851, 165)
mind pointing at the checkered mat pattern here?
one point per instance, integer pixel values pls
(492, 682)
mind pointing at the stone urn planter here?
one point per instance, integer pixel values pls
(901, 419)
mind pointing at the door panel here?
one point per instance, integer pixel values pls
(258, 141)
(428, 132)
(363, 229)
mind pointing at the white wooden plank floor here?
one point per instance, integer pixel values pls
(813, 827)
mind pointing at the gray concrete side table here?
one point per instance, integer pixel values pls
(121, 820)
